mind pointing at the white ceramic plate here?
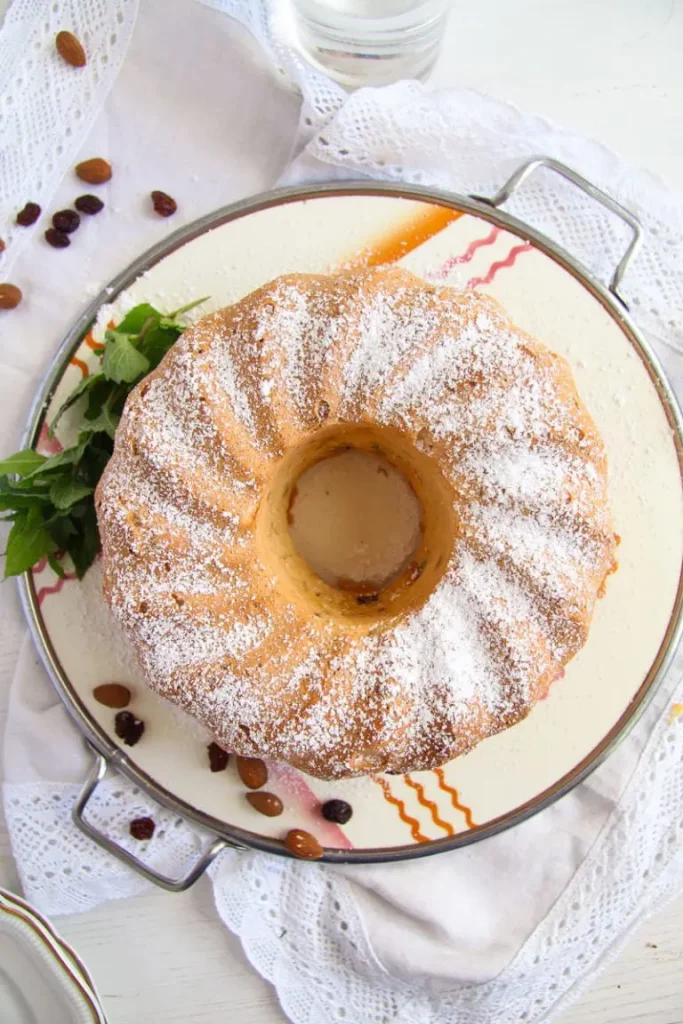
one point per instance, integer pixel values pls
(524, 768)
(41, 978)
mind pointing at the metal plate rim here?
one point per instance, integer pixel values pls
(96, 736)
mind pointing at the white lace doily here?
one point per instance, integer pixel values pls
(306, 927)
(300, 926)
(46, 106)
(461, 141)
(310, 942)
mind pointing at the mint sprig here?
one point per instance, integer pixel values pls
(50, 499)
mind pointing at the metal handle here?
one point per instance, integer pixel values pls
(95, 776)
(527, 169)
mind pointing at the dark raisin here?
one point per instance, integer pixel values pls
(128, 728)
(89, 204)
(323, 410)
(218, 758)
(66, 220)
(337, 810)
(29, 215)
(2, 245)
(367, 599)
(164, 205)
(142, 828)
(57, 239)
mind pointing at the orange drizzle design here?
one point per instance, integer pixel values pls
(455, 798)
(96, 346)
(413, 823)
(429, 804)
(75, 361)
(403, 239)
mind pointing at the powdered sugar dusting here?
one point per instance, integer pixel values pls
(557, 558)
(390, 327)
(501, 417)
(296, 333)
(176, 643)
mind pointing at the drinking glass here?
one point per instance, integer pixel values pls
(371, 42)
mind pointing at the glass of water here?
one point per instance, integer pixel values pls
(371, 42)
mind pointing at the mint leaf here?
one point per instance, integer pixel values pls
(85, 544)
(69, 457)
(62, 529)
(27, 543)
(99, 395)
(185, 309)
(52, 505)
(133, 321)
(16, 498)
(22, 463)
(157, 343)
(21, 490)
(122, 362)
(65, 492)
(106, 423)
(95, 458)
(87, 384)
(55, 566)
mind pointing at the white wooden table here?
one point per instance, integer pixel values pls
(611, 70)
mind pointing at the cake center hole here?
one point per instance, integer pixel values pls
(355, 520)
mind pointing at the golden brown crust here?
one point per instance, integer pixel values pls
(465, 649)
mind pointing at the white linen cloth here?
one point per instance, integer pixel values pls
(510, 929)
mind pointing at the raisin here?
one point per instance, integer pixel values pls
(142, 828)
(29, 215)
(66, 220)
(128, 728)
(337, 811)
(164, 205)
(89, 204)
(57, 239)
(218, 758)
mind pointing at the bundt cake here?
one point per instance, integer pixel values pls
(515, 536)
